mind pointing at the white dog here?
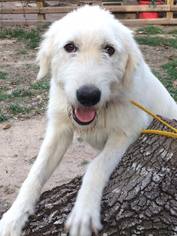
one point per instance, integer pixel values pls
(96, 68)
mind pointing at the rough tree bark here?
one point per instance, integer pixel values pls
(140, 199)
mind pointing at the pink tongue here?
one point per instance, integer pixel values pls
(85, 114)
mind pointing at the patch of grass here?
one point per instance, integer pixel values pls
(171, 75)
(16, 109)
(3, 75)
(151, 41)
(2, 117)
(40, 85)
(22, 93)
(171, 42)
(15, 94)
(157, 41)
(4, 96)
(171, 69)
(30, 37)
(150, 29)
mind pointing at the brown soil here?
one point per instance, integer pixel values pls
(19, 148)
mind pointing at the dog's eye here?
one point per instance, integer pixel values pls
(109, 50)
(70, 47)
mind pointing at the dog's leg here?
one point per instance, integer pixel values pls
(58, 138)
(85, 216)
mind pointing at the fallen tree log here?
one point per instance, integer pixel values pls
(140, 199)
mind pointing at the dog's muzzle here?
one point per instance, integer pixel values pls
(88, 96)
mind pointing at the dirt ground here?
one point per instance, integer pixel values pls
(19, 144)
(19, 148)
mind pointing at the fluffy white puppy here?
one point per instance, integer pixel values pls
(96, 68)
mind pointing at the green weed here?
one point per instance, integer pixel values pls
(157, 41)
(4, 96)
(40, 85)
(150, 29)
(2, 117)
(171, 69)
(16, 109)
(171, 75)
(3, 75)
(22, 93)
(15, 94)
(30, 37)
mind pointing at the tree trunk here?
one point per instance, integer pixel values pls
(140, 199)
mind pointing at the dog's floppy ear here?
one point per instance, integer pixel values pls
(134, 58)
(44, 57)
(131, 53)
(130, 67)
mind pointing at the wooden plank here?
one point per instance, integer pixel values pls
(30, 1)
(142, 22)
(22, 1)
(89, 2)
(128, 22)
(138, 8)
(36, 10)
(24, 10)
(112, 3)
(54, 10)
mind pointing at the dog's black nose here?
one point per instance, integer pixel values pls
(88, 95)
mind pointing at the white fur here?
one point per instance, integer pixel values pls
(122, 77)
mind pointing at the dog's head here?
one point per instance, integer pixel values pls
(92, 57)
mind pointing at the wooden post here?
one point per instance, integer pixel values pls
(41, 16)
(170, 14)
(91, 2)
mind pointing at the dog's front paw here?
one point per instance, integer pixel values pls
(83, 221)
(12, 223)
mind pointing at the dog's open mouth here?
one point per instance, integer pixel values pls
(84, 115)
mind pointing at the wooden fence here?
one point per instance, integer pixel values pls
(41, 9)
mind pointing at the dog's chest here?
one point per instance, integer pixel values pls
(96, 138)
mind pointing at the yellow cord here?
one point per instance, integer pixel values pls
(158, 132)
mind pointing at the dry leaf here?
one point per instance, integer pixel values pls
(7, 126)
(175, 84)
